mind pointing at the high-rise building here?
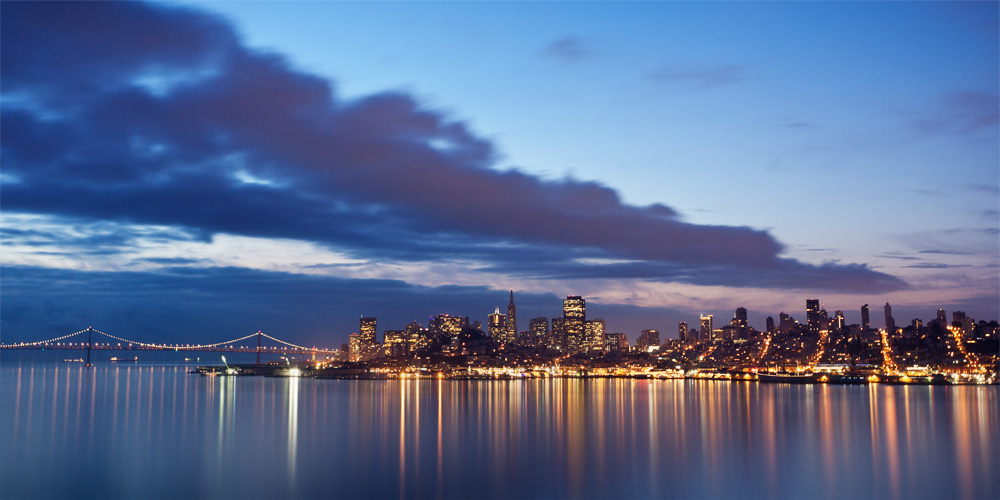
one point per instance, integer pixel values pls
(838, 321)
(539, 328)
(446, 325)
(594, 334)
(354, 350)
(395, 343)
(916, 323)
(418, 336)
(957, 318)
(865, 324)
(741, 323)
(649, 340)
(786, 323)
(706, 328)
(812, 315)
(498, 327)
(368, 335)
(511, 319)
(942, 318)
(574, 315)
(682, 331)
(890, 322)
(615, 342)
(557, 339)
(770, 325)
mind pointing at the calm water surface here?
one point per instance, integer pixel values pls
(140, 431)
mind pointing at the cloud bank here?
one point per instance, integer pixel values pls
(152, 114)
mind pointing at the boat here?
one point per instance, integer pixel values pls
(786, 378)
(116, 359)
(77, 360)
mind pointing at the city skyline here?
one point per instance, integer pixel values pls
(234, 166)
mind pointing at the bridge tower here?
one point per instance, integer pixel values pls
(90, 342)
(258, 346)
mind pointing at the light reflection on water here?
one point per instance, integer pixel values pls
(138, 431)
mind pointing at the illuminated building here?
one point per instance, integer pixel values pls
(865, 324)
(511, 320)
(942, 318)
(649, 340)
(539, 328)
(916, 323)
(838, 321)
(786, 323)
(682, 331)
(615, 342)
(706, 328)
(395, 343)
(557, 340)
(498, 326)
(594, 335)
(418, 336)
(812, 315)
(446, 325)
(574, 316)
(368, 335)
(355, 351)
(741, 324)
(770, 324)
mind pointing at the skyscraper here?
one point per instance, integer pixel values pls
(557, 339)
(812, 315)
(741, 323)
(838, 321)
(865, 324)
(890, 322)
(574, 315)
(594, 335)
(770, 324)
(649, 340)
(539, 328)
(511, 319)
(682, 331)
(706, 328)
(368, 338)
(498, 327)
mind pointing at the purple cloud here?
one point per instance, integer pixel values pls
(156, 114)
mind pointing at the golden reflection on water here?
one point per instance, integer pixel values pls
(254, 436)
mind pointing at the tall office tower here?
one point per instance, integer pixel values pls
(574, 315)
(446, 325)
(512, 319)
(958, 318)
(770, 325)
(417, 336)
(890, 322)
(557, 339)
(916, 323)
(368, 333)
(741, 324)
(498, 327)
(539, 328)
(786, 323)
(395, 343)
(682, 331)
(593, 332)
(706, 328)
(355, 350)
(649, 340)
(865, 324)
(615, 342)
(812, 315)
(838, 321)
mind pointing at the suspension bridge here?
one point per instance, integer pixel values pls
(119, 343)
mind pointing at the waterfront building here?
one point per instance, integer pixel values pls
(418, 336)
(741, 323)
(368, 335)
(354, 349)
(395, 343)
(574, 317)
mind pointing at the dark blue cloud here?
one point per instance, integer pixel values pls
(152, 114)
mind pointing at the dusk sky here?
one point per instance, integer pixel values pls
(199, 171)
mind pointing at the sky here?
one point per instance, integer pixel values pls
(196, 171)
